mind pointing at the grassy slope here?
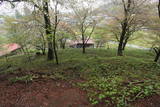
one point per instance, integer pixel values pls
(108, 78)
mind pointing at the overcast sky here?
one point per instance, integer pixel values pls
(6, 8)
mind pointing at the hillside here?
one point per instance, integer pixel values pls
(98, 78)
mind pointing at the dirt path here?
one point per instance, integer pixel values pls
(152, 101)
(42, 94)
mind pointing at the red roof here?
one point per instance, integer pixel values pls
(8, 48)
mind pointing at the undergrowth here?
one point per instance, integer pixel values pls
(107, 78)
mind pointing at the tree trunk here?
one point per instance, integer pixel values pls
(54, 47)
(62, 43)
(158, 51)
(64, 46)
(44, 51)
(43, 44)
(120, 50)
(159, 8)
(48, 30)
(122, 37)
(84, 48)
(157, 56)
(108, 47)
(54, 34)
(124, 27)
(97, 45)
(124, 44)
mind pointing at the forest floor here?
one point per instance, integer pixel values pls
(97, 79)
(49, 93)
(42, 93)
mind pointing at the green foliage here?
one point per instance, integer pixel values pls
(142, 39)
(118, 92)
(26, 79)
(121, 81)
(101, 36)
